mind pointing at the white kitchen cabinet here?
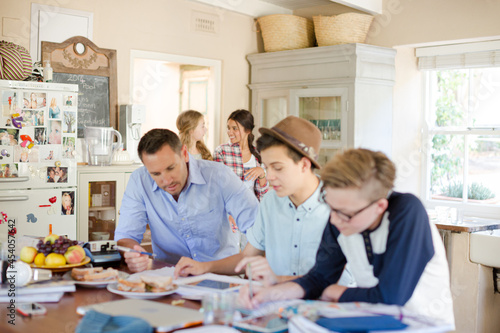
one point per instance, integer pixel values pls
(345, 90)
(100, 193)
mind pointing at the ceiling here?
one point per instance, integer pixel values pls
(258, 8)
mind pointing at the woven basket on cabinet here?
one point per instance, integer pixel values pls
(341, 29)
(286, 32)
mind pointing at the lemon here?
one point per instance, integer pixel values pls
(40, 259)
(55, 259)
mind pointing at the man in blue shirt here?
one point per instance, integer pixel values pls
(185, 202)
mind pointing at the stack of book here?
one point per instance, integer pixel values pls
(50, 291)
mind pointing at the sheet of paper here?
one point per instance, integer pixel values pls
(210, 329)
(165, 271)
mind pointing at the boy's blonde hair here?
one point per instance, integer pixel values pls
(364, 169)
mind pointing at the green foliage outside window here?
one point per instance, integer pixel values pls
(475, 191)
(449, 112)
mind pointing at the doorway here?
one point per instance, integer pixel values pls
(168, 84)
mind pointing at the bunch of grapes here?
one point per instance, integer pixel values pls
(44, 248)
(61, 245)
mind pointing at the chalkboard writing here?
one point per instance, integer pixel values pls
(93, 99)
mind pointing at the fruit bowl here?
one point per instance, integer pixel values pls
(62, 268)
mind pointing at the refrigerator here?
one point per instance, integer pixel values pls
(38, 134)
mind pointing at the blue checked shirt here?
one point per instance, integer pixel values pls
(195, 226)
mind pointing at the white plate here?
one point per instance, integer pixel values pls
(94, 284)
(113, 287)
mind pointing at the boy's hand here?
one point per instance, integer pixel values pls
(261, 271)
(248, 301)
(187, 266)
(333, 293)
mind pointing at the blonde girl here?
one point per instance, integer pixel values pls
(191, 126)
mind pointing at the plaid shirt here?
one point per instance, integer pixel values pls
(230, 155)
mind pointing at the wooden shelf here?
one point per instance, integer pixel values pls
(101, 208)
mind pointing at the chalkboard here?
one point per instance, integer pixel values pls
(93, 99)
(79, 61)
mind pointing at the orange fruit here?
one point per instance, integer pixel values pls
(40, 259)
(55, 259)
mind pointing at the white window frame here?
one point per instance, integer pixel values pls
(449, 57)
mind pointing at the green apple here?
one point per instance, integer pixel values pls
(52, 238)
(28, 254)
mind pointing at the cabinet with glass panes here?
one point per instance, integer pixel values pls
(100, 192)
(345, 90)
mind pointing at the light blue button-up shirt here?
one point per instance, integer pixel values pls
(195, 226)
(290, 236)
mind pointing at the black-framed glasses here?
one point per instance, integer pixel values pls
(343, 216)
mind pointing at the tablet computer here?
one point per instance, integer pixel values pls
(214, 284)
(271, 323)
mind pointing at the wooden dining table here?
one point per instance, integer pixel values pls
(61, 317)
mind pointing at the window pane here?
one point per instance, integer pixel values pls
(484, 174)
(447, 160)
(273, 111)
(484, 98)
(324, 112)
(449, 93)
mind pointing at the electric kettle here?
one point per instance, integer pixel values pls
(100, 146)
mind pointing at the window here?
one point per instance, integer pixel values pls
(462, 138)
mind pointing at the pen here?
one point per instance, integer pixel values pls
(249, 274)
(127, 249)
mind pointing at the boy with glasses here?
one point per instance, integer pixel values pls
(395, 254)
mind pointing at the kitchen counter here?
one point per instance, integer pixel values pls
(470, 224)
(475, 303)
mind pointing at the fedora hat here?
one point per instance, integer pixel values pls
(299, 134)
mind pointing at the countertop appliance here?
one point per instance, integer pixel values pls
(132, 116)
(104, 253)
(38, 132)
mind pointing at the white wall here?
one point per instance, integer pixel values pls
(407, 122)
(159, 26)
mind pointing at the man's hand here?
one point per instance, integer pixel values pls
(187, 266)
(333, 293)
(136, 262)
(261, 271)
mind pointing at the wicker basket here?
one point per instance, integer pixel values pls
(342, 29)
(286, 32)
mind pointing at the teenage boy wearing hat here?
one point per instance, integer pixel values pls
(291, 218)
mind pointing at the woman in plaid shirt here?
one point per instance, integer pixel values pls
(240, 154)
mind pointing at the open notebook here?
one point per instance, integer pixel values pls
(163, 317)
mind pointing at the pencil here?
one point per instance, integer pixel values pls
(249, 274)
(127, 249)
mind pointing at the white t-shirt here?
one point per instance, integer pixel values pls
(247, 166)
